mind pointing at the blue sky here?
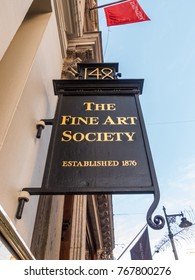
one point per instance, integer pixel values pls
(162, 52)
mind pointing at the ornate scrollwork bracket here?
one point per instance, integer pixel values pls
(158, 222)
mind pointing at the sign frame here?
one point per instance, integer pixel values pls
(122, 87)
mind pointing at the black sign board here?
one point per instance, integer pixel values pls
(98, 142)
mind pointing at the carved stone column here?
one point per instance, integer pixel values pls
(104, 202)
(78, 231)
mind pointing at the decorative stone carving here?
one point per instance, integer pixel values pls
(105, 255)
(104, 207)
(84, 53)
(83, 49)
(69, 69)
(74, 56)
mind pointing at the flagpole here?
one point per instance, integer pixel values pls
(105, 5)
(132, 242)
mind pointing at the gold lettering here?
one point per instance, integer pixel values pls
(132, 120)
(100, 107)
(118, 136)
(108, 136)
(87, 136)
(93, 121)
(129, 135)
(108, 121)
(111, 107)
(98, 139)
(107, 73)
(89, 163)
(78, 137)
(66, 134)
(96, 73)
(98, 163)
(120, 121)
(91, 106)
(65, 119)
(97, 136)
(79, 120)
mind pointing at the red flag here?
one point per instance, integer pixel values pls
(123, 13)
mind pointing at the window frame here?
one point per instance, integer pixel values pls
(12, 240)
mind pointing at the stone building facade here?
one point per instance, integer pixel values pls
(41, 41)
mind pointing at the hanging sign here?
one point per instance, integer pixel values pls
(98, 142)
